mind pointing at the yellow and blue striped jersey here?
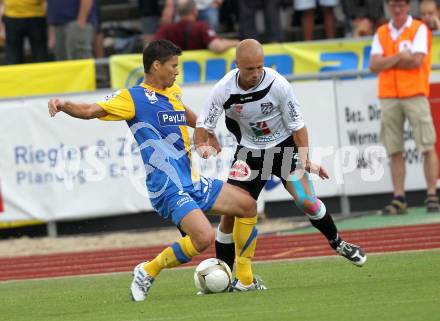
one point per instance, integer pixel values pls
(158, 123)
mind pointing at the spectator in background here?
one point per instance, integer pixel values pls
(363, 16)
(73, 26)
(190, 34)
(150, 19)
(152, 16)
(209, 10)
(98, 40)
(272, 22)
(228, 15)
(429, 14)
(401, 54)
(24, 19)
(307, 8)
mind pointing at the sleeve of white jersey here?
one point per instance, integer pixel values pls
(211, 111)
(290, 108)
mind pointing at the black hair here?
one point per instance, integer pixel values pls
(161, 50)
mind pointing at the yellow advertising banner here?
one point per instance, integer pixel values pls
(294, 58)
(47, 78)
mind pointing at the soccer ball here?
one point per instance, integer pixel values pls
(212, 276)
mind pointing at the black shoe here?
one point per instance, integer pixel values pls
(352, 252)
(432, 204)
(396, 207)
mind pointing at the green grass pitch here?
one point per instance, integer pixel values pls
(400, 287)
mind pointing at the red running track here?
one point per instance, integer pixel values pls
(272, 247)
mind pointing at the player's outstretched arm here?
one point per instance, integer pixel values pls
(317, 169)
(77, 110)
(301, 140)
(191, 117)
(213, 142)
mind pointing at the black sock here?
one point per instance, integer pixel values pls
(400, 198)
(327, 227)
(225, 252)
(335, 242)
(181, 231)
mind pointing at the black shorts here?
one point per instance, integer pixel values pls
(252, 168)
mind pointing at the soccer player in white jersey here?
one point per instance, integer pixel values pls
(264, 115)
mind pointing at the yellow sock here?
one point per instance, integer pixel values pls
(245, 238)
(179, 253)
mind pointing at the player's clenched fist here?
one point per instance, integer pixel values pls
(205, 151)
(318, 170)
(55, 106)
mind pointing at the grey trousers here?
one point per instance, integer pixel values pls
(73, 42)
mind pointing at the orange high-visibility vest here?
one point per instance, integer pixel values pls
(401, 83)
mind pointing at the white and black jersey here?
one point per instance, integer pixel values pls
(260, 117)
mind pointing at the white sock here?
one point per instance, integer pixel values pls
(320, 214)
(224, 237)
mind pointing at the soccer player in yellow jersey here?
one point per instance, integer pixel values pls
(159, 120)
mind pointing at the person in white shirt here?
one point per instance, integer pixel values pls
(208, 10)
(264, 115)
(401, 55)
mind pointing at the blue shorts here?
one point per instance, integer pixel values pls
(175, 204)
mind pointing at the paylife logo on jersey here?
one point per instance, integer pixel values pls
(172, 118)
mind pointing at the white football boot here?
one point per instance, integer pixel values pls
(141, 283)
(256, 285)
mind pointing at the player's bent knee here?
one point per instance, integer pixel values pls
(249, 208)
(315, 210)
(310, 207)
